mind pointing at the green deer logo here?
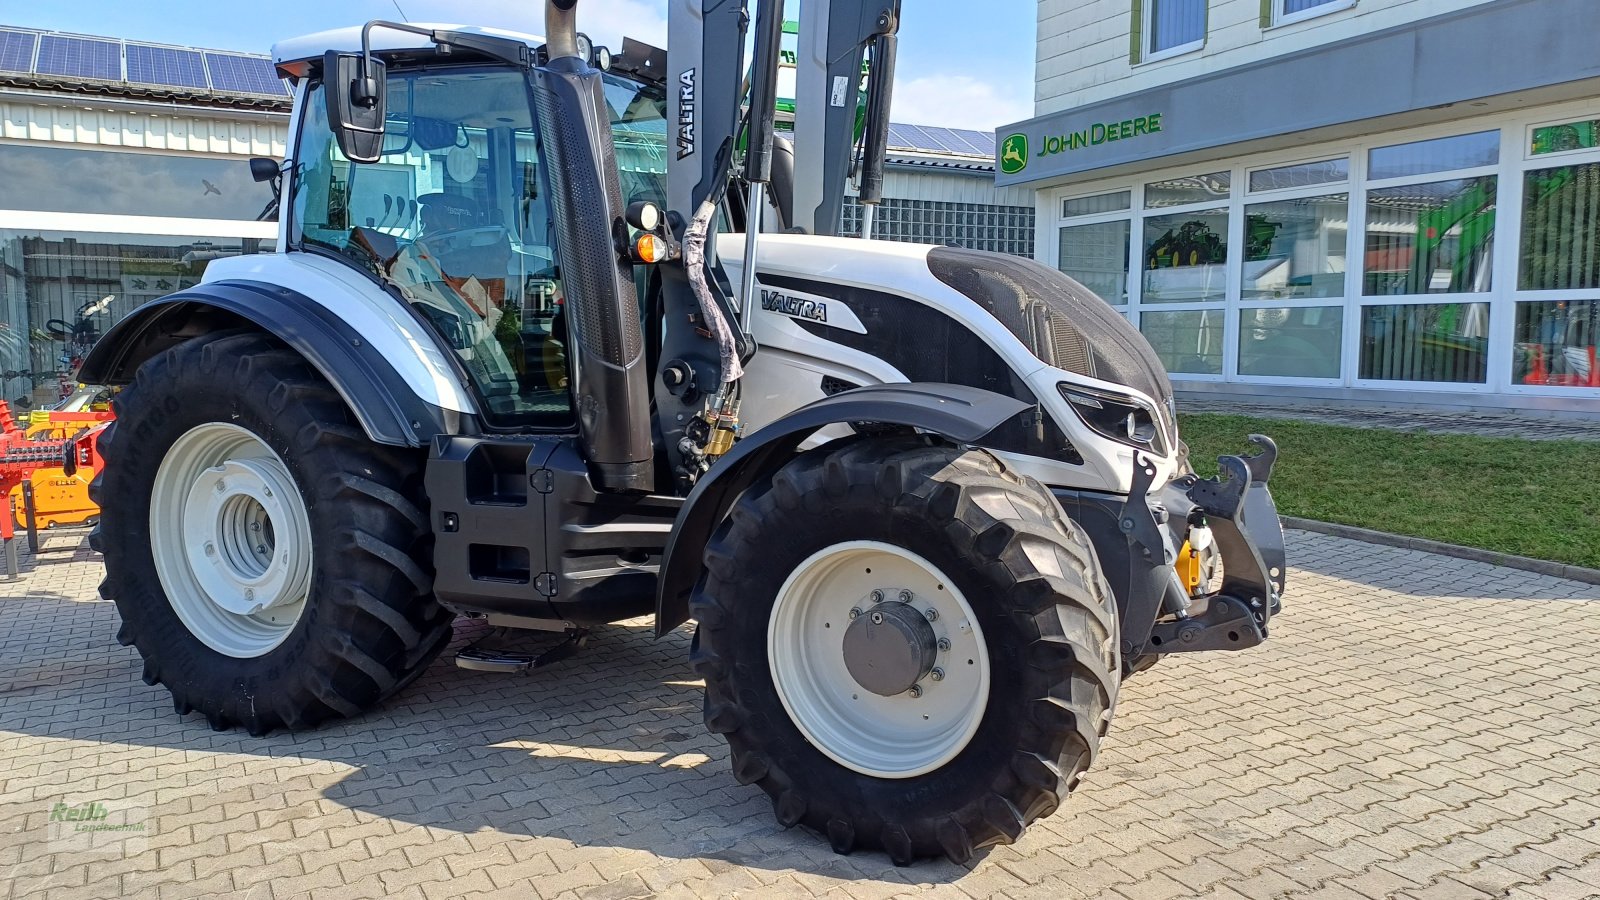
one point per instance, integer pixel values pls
(1014, 154)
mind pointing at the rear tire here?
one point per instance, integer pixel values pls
(1044, 616)
(352, 622)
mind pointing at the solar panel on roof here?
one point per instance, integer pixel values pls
(247, 74)
(76, 57)
(16, 50)
(165, 65)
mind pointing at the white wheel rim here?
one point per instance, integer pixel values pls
(230, 539)
(898, 736)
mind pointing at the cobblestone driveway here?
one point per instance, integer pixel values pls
(1418, 726)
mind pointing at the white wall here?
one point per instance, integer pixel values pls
(1083, 53)
(89, 120)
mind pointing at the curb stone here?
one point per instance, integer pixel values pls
(1509, 560)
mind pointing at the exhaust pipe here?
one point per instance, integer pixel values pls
(610, 384)
(561, 28)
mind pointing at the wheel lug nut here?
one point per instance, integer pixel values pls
(261, 548)
(932, 614)
(905, 596)
(916, 691)
(937, 674)
(255, 526)
(944, 645)
(855, 612)
(877, 596)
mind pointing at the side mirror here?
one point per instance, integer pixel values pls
(356, 103)
(263, 168)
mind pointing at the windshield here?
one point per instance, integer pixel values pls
(454, 215)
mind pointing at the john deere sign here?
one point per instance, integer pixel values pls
(1101, 133)
(1050, 147)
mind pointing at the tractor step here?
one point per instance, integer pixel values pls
(493, 659)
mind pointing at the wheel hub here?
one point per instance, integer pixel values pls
(878, 659)
(890, 648)
(231, 539)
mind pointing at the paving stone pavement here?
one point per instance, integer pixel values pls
(1508, 424)
(1418, 726)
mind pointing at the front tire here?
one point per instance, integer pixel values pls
(262, 553)
(1002, 595)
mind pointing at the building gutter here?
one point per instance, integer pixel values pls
(147, 107)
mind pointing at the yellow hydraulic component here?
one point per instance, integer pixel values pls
(58, 498)
(1188, 566)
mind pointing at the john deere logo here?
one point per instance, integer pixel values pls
(1014, 154)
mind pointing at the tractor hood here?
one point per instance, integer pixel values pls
(1064, 323)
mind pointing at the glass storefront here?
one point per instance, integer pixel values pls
(1290, 341)
(61, 291)
(1188, 342)
(1096, 255)
(1432, 238)
(122, 182)
(1370, 266)
(1185, 257)
(1425, 342)
(1295, 248)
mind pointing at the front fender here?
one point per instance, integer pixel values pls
(388, 409)
(962, 414)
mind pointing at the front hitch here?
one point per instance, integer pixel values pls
(1243, 518)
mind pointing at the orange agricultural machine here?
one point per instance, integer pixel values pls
(45, 470)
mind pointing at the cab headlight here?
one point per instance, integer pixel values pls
(1120, 417)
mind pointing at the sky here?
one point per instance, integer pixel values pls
(958, 67)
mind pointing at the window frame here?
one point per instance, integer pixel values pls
(1281, 18)
(1147, 51)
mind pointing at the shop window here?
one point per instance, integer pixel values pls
(1560, 229)
(1295, 248)
(1430, 238)
(120, 182)
(1583, 135)
(1556, 344)
(1438, 342)
(1099, 203)
(61, 291)
(1096, 256)
(1466, 151)
(1185, 257)
(1173, 26)
(1189, 342)
(1291, 342)
(1193, 189)
(1328, 171)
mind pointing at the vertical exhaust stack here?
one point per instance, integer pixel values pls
(610, 381)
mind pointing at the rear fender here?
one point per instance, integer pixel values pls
(389, 410)
(962, 414)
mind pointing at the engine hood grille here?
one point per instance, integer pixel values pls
(1064, 323)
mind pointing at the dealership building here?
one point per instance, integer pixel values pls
(1394, 201)
(124, 170)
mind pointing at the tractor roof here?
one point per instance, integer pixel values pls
(312, 46)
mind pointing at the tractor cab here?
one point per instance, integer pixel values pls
(454, 212)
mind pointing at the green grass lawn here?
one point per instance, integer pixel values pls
(1531, 498)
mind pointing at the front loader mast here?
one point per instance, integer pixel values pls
(706, 338)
